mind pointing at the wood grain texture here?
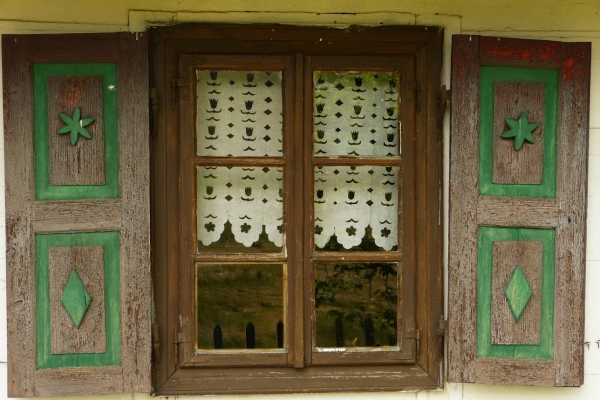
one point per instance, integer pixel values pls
(573, 122)
(187, 381)
(134, 178)
(506, 256)
(20, 277)
(464, 156)
(53, 216)
(520, 52)
(105, 380)
(129, 215)
(525, 165)
(509, 372)
(82, 163)
(566, 214)
(65, 337)
(517, 211)
(426, 209)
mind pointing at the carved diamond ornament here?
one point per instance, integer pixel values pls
(517, 292)
(76, 299)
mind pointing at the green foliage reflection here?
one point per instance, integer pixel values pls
(352, 293)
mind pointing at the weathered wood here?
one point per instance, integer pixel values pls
(90, 336)
(134, 179)
(507, 255)
(525, 165)
(428, 274)
(299, 380)
(26, 218)
(508, 372)
(83, 163)
(572, 144)
(464, 156)
(53, 216)
(20, 276)
(74, 382)
(519, 52)
(564, 215)
(517, 211)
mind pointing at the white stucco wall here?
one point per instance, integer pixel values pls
(568, 20)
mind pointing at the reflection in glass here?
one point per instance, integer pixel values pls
(356, 114)
(240, 209)
(239, 113)
(356, 208)
(356, 304)
(240, 306)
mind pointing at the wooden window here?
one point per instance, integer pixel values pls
(296, 209)
(77, 212)
(518, 211)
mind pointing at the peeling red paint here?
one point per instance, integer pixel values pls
(517, 50)
(72, 93)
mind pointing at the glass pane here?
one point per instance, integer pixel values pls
(356, 305)
(240, 209)
(356, 113)
(356, 208)
(239, 113)
(240, 306)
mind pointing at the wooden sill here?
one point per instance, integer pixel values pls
(289, 380)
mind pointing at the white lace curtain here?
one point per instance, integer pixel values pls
(249, 198)
(348, 199)
(240, 114)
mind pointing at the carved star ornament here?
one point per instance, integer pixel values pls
(75, 126)
(520, 130)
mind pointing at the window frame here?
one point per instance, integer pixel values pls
(172, 331)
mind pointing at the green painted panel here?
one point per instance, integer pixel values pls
(486, 238)
(112, 298)
(489, 76)
(43, 189)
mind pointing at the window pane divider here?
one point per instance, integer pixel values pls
(374, 161)
(240, 161)
(237, 258)
(357, 256)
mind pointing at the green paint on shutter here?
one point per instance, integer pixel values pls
(76, 298)
(43, 189)
(112, 298)
(489, 76)
(517, 293)
(486, 238)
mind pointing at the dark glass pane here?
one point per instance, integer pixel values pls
(240, 306)
(239, 209)
(356, 114)
(356, 208)
(356, 304)
(239, 113)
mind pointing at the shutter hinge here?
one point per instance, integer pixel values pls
(442, 327)
(156, 346)
(182, 336)
(413, 92)
(416, 335)
(154, 111)
(175, 84)
(445, 96)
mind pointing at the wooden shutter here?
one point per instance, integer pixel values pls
(77, 213)
(518, 210)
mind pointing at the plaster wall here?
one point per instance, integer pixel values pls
(567, 20)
